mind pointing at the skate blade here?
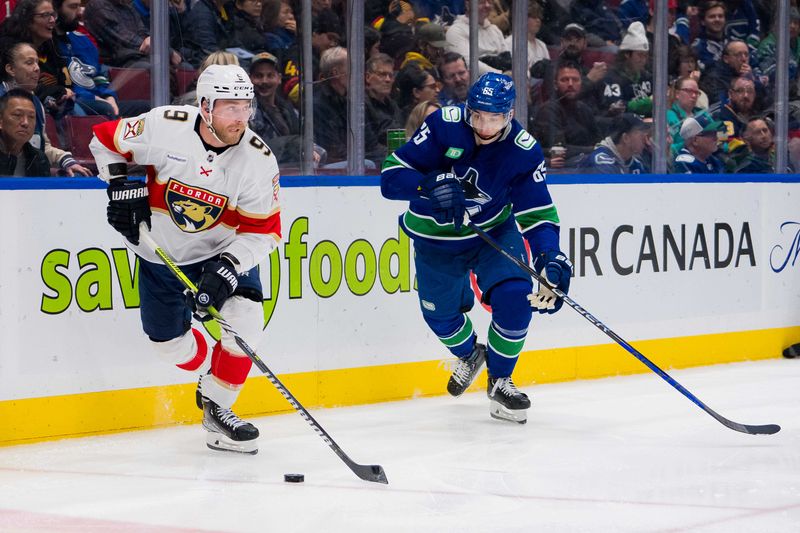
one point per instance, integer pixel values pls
(501, 412)
(219, 442)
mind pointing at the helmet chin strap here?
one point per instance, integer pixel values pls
(209, 123)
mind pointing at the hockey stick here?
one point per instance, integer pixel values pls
(767, 429)
(373, 473)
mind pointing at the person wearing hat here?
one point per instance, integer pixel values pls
(491, 41)
(429, 45)
(629, 86)
(573, 44)
(699, 135)
(619, 152)
(768, 52)
(275, 120)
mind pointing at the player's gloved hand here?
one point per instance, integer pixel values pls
(128, 206)
(557, 270)
(446, 196)
(217, 282)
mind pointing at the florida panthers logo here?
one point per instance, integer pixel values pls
(473, 193)
(193, 209)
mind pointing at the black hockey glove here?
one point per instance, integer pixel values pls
(557, 270)
(128, 206)
(446, 195)
(217, 282)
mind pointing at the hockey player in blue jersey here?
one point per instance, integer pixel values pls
(475, 159)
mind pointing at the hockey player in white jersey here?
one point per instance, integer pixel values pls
(210, 199)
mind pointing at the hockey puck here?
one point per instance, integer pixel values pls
(294, 478)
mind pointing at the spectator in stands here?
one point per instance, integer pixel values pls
(372, 42)
(381, 112)
(34, 21)
(248, 31)
(280, 25)
(491, 41)
(122, 38)
(735, 63)
(573, 45)
(761, 154)
(17, 120)
(326, 33)
(330, 104)
(89, 78)
(275, 119)
(565, 120)
(768, 53)
(683, 64)
(629, 86)
(418, 116)
(740, 107)
(537, 50)
(602, 25)
(207, 27)
(19, 69)
(413, 85)
(700, 143)
(215, 58)
(685, 93)
(429, 44)
(619, 152)
(709, 44)
(454, 74)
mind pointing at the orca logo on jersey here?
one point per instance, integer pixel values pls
(473, 193)
(193, 209)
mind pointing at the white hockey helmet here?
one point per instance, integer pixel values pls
(219, 82)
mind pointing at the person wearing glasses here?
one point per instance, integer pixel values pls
(735, 63)
(413, 85)
(34, 22)
(685, 93)
(210, 200)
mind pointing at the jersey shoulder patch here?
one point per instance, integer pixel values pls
(451, 113)
(524, 140)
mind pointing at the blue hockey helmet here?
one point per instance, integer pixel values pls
(492, 93)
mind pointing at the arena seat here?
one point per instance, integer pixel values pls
(130, 83)
(185, 77)
(78, 132)
(51, 129)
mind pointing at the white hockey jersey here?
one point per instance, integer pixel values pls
(203, 202)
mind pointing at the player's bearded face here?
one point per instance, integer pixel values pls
(230, 119)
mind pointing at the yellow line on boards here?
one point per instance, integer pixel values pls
(37, 419)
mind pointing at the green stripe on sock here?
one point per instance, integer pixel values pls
(503, 346)
(464, 333)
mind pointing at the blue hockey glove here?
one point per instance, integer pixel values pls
(557, 270)
(217, 283)
(446, 196)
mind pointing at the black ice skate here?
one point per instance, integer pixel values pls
(507, 401)
(466, 370)
(792, 351)
(226, 431)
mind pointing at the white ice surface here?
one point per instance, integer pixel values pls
(624, 454)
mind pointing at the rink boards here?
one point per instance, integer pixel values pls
(690, 273)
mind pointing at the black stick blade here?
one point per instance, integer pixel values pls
(767, 429)
(372, 473)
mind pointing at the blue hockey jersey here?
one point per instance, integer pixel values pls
(504, 181)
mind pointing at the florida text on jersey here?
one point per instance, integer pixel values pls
(204, 200)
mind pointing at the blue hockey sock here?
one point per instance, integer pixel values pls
(511, 315)
(456, 333)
